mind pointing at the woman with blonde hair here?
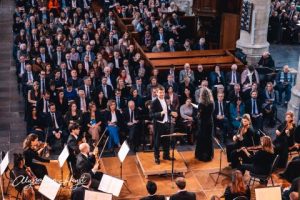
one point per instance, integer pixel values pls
(262, 160)
(244, 138)
(204, 147)
(113, 122)
(237, 187)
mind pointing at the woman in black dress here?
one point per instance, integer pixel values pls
(204, 147)
(30, 146)
(285, 139)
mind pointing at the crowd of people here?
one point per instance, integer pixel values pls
(284, 26)
(81, 77)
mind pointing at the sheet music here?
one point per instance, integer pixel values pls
(123, 151)
(49, 188)
(63, 156)
(111, 185)
(4, 163)
(96, 195)
(268, 193)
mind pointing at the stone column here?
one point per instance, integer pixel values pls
(294, 103)
(255, 43)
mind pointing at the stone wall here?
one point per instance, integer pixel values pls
(185, 6)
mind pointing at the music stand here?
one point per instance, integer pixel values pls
(220, 173)
(123, 152)
(172, 137)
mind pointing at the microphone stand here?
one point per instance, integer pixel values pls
(220, 173)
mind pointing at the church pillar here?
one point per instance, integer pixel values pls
(254, 42)
(294, 103)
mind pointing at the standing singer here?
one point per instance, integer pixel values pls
(161, 115)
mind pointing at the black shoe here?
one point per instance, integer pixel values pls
(168, 158)
(157, 161)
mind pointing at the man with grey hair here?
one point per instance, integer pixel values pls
(86, 162)
(158, 47)
(131, 117)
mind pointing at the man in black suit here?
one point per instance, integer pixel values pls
(140, 87)
(42, 106)
(152, 188)
(73, 147)
(58, 56)
(87, 88)
(55, 121)
(254, 108)
(78, 192)
(131, 117)
(220, 115)
(171, 83)
(120, 101)
(86, 163)
(161, 115)
(232, 77)
(82, 101)
(182, 194)
(106, 89)
(74, 80)
(171, 46)
(27, 79)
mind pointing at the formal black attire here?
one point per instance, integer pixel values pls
(254, 108)
(85, 164)
(282, 143)
(161, 127)
(39, 170)
(78, 193)
(222, 108)
(183, 195)
(204, 146)
(134, 129)
(233, 150)
(73, 147)
(261, 163)
(19, 175)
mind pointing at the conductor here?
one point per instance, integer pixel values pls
(161, 115)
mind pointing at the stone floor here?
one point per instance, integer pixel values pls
(285, 54)
(12, 126)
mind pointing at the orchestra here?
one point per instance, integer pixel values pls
(86, 84)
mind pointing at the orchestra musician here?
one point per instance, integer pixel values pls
(160, 113)
(73, 146)
(261, 160)
(285, 139)
(32, 151)
(79, 192)
(245, 137)
(88, 162)
(20, 173)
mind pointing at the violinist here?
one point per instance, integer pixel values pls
(261, 161)
(32, 151)
(88, 162)
(285, 138)
(19, 173)
(245, 137)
